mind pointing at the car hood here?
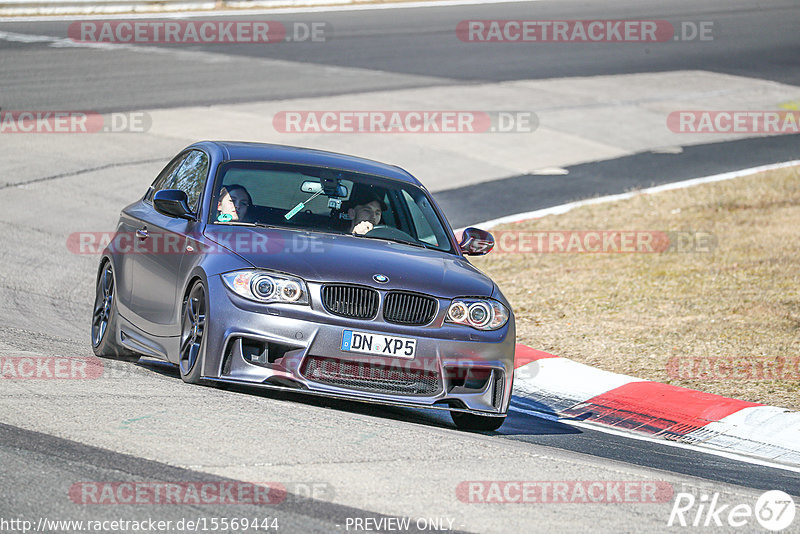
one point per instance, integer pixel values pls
(318, 257)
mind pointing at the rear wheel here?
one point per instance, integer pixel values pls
(481, 423)
(193, 325)
(104, 319)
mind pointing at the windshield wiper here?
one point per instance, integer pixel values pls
(243, 223)
(395, 240)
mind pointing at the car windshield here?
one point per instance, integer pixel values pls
(326, 200)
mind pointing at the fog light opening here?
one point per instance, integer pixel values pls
(477, 379)
(263, 353)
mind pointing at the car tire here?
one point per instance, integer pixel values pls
(479, 423)
(193, 338)
(104, 319)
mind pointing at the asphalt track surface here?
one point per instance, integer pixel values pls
(521, 194)
(379, 462)
(401, 48)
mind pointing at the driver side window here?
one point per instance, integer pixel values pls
(164, 176)
(187, 173)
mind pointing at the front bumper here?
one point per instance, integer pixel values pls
(299, 347)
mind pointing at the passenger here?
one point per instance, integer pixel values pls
(234, 200)
(365, 213)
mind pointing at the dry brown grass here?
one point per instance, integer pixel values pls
(633, 313)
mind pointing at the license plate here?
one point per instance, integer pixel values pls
(395, 347)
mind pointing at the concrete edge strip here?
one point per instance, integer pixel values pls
(559, 388)
(31, 11)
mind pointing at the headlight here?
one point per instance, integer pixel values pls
(483, 314)
(264, 286)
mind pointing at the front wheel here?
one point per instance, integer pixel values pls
(104, 319)
(193, 326)
(480, 423)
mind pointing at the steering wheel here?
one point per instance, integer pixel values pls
(389, 232)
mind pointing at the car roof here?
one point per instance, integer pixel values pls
(245, 151)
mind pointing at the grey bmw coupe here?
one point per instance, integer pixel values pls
(298, 269)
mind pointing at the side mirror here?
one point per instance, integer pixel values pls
(476, 242)
(172, 203)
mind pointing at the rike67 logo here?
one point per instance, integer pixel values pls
(774, 510)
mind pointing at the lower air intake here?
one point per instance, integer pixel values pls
(371, 377)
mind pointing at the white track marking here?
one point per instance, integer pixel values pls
(615, 432)
(204, 56)
(564, 208)
(744, 430)
(565, 381)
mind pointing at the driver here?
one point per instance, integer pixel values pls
(234, 200)
(366, 212)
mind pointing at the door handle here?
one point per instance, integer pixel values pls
(142, 233)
